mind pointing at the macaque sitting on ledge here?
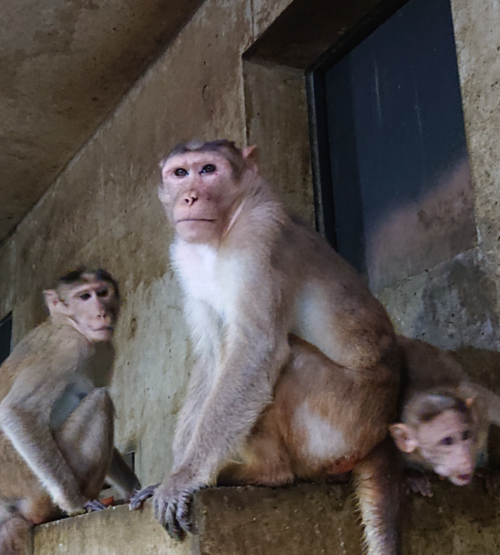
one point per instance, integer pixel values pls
(445, 418)
(56, 424)
(297, 368)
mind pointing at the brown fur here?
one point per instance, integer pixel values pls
(441, 405)
(56, 425)
(251, 276)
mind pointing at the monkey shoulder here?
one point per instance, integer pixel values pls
(50, 353)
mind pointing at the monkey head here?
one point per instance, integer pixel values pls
(87, 300)
(439, 432)
(202, 187)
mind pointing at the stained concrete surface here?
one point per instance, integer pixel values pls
(64, 66)
(300, 520)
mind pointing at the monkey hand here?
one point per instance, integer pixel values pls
(417, 482)
(491, 477)
(139, 497)
(173, 502)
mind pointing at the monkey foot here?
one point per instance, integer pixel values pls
(139, 497)
(94, 505)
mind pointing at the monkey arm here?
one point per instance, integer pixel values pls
(254, 349)
(25, 420)
(252, 356)
(191, 410)
(121, 476)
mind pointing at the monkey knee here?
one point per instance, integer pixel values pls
(101, 398)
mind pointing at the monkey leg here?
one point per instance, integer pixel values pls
(86, 441)
(265, 460)
(378, 484)
(15, 536)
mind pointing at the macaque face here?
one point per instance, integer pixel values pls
(92, 308)
(446, 443)
(198, 192)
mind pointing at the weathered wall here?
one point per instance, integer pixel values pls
(307, 519)
(456, 304)
(103, 211)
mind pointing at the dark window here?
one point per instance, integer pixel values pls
(394, 172)
(5, 337)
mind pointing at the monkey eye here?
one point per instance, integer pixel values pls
(84, 296)
(180, 172)
(446, 441)
(102, 293)
(208, 168)
(466, 435)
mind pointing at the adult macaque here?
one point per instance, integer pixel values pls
(445, 418)
(56, 426)
(251, 276)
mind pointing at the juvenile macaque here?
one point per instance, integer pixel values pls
(251, 276)
(56, 426)
(445, 418)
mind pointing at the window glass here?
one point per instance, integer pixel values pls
(5, 337)
(398, 163)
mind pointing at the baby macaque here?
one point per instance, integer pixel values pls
(56, 425)
(297, 366)
(445, 418)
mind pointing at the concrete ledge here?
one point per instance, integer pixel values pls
(301, 520)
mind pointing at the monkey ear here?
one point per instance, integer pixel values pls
(250, 156)
(404, 437)
(52, 301)
(469, 402)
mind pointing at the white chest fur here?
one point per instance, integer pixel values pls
(196, 267)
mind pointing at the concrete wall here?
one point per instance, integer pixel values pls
(103, 211)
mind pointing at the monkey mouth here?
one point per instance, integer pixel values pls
(463, 479)
(195, 220)
(104, 328)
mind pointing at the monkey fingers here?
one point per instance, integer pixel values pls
(94, 505)
(417, 482)
(139, 497)
(173, 509)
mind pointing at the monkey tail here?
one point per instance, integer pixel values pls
(378, 488)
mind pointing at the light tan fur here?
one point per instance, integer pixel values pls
(445, 418)
(251, 276)
(56, 425)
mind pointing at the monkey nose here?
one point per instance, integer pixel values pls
(190, 198)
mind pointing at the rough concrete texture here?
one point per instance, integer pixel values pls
(64, 66)
(477, 33)
(114, 531)
(299, 520)
(272, 93)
